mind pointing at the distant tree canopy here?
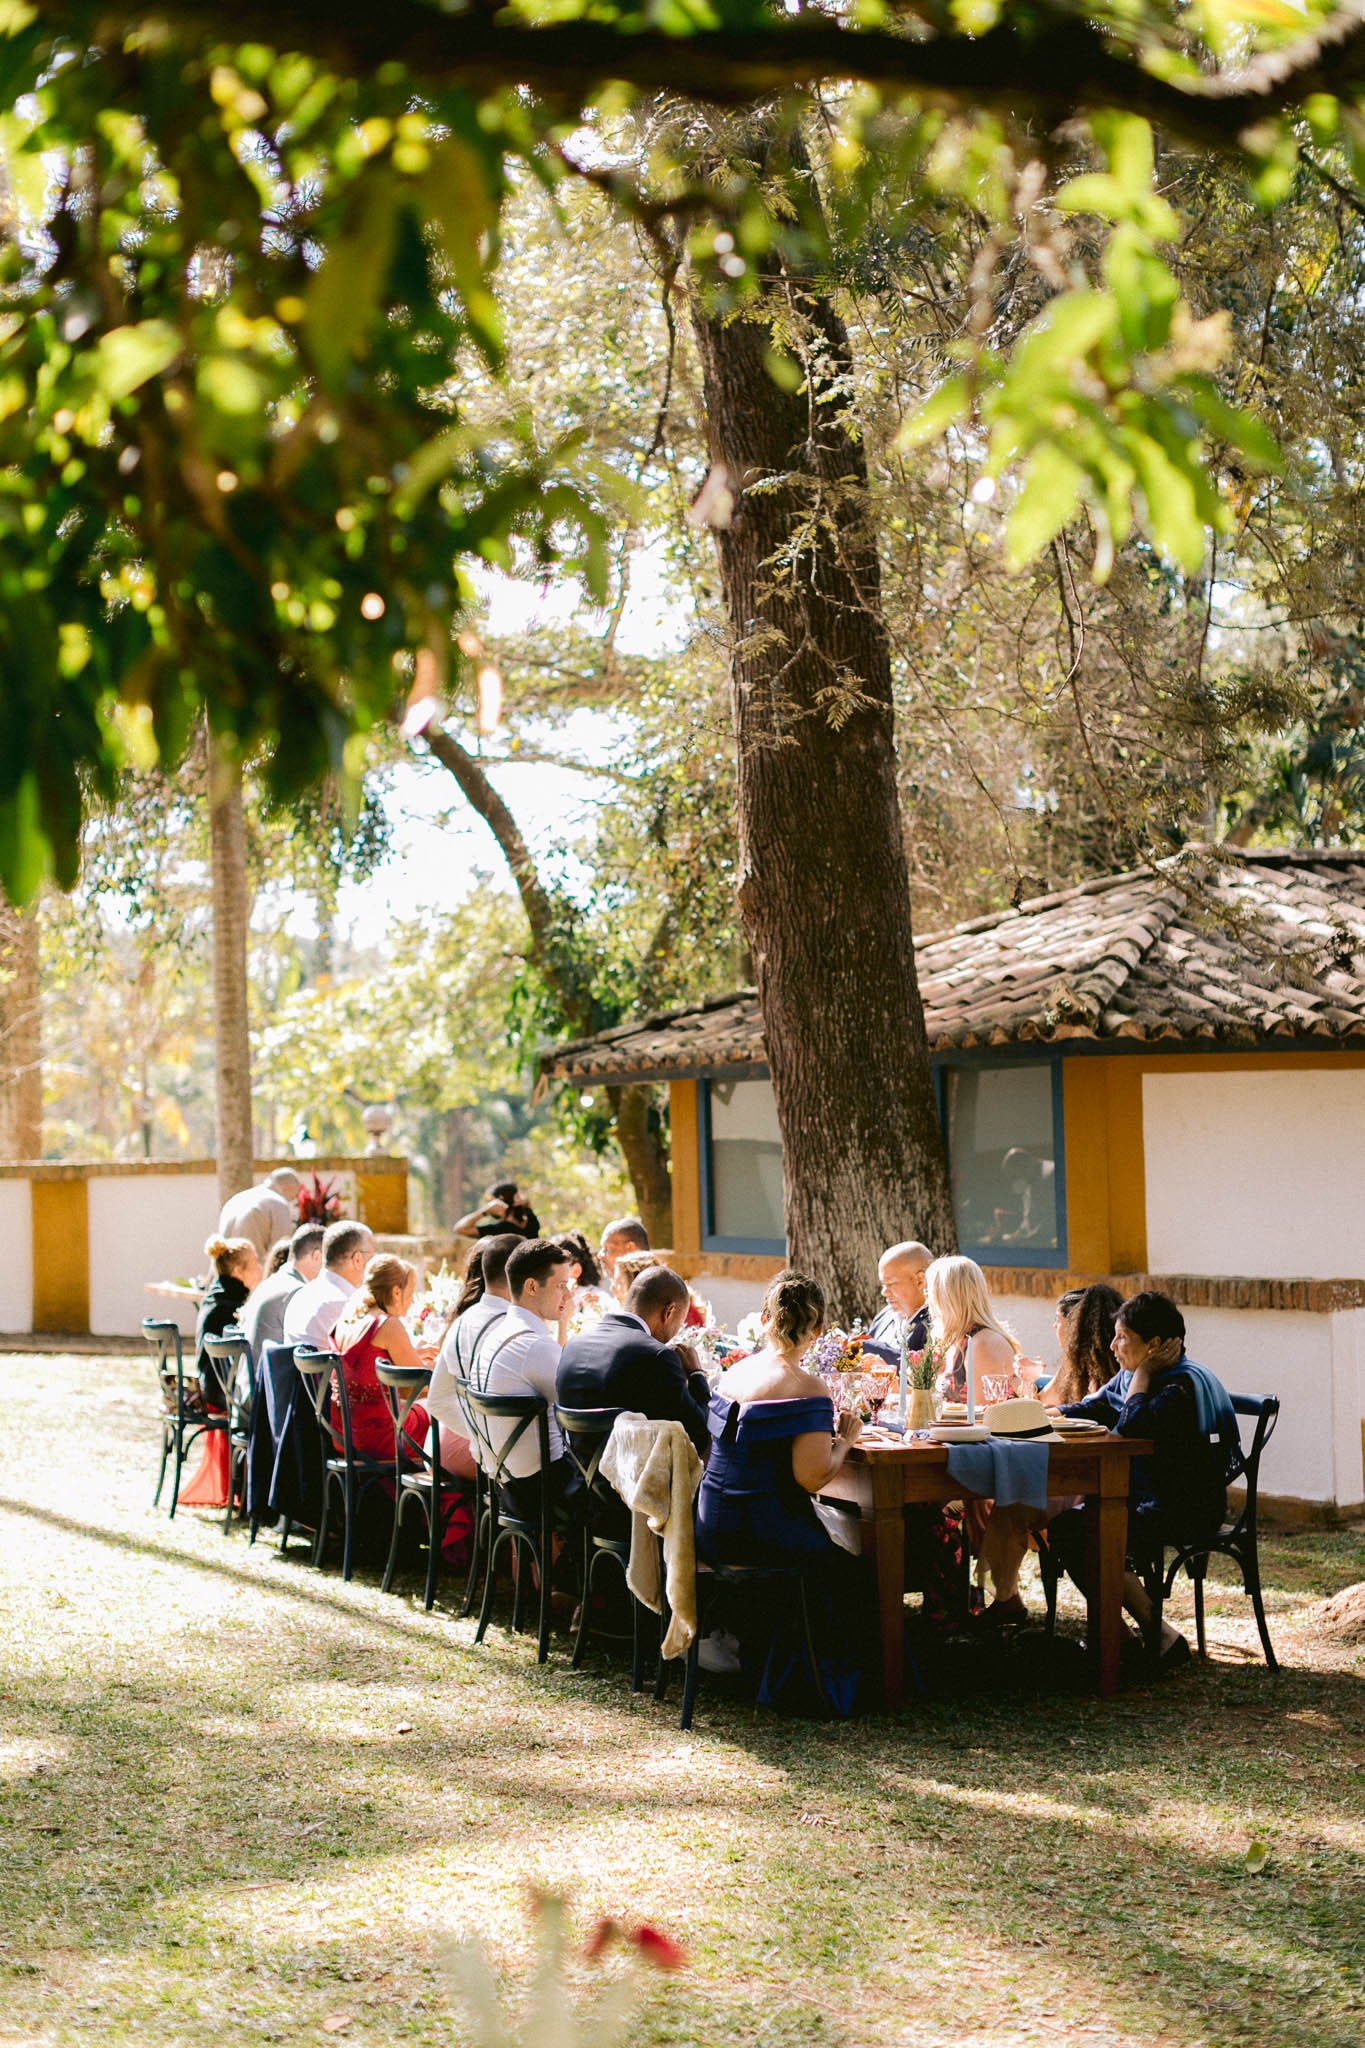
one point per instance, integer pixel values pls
(248, 291)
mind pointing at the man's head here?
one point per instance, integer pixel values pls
(346, 1250)
(626, 1234)
(503, 1191)
(285, 1182)
(540, 1278)
(659, 1297)
(901, 1270)
(493, 1254)
(305, 1250)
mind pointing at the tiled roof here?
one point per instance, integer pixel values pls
(1207, 948)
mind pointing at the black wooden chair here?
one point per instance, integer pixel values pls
(350, 1471)
(587, 1432)
(1236, 1539)
(231, 1356)
(185, 1415)
(499, 1423)
(783, 1584)
(418, 1476)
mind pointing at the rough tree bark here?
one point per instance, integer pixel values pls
(824, 888)
(21, 1071)
(636, 1131)
(231, 1033)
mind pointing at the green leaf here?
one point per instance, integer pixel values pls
(1172, 505)
(1051, 493)
(126, 357)
(1256, 1859)
(1241, 430)
(1093, 192)
(1145, 290)
(942, 409)
(344, 293)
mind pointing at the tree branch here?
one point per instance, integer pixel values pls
(1050, 65)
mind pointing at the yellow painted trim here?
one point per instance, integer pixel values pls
(1085, 1121)
(61, 1257)
(685, 1159)
(381, 1199)
(1127, 1174)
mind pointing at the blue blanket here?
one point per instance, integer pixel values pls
(1003, 1470)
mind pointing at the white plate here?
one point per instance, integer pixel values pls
(1078, 1425)
(959, 1433)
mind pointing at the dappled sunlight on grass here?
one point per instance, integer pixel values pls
(238, 1793)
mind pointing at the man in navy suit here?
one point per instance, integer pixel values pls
(901, 1271)
(627, 1360)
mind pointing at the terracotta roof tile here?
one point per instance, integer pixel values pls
(1209, 948)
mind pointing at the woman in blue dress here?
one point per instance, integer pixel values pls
(774, 1444)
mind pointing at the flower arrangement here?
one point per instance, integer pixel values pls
(837, 1351)
(552, 2021)
(750, 1333)
(923, 1367)
(318, 1200)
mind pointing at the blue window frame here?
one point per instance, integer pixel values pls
(741, 1167)
(1004, 1134)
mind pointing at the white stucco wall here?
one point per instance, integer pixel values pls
(145, 1227)
(16, 1263)
(1261, 1174)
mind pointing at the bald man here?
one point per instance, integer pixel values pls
(901, 1270)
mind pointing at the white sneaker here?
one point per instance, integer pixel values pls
(719, 1652)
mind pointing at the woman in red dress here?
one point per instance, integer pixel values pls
(371, 1326)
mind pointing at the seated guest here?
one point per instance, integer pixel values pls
(263, 1213)
(371, 1326)
(312, 1311)
(502, 1211)
(1084, 1324)
(626, 1359)
(521, 1357)
(589, 1289)
(627, 1270)
(1179, 1493)
(278, 1256)
(262, 1320)
(625, 1234)
(236, 1270)
(482, 1302)
(775, 1443)
(901, 1271)
(981, 1349)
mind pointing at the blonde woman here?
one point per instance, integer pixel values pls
(371, 1326)
(981, 1347)
(963, 1319)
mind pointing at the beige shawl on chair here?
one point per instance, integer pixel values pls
(656, 1471)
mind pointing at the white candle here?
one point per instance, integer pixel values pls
(971, 1386)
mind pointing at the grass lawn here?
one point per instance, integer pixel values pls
(241, 1801)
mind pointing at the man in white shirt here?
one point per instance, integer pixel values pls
(264, 1214)
(313, 1311)
(520, 1355)
(461, 1345)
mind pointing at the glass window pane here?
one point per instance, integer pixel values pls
(1002, 1156)
(746, 1161)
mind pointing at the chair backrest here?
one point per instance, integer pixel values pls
(587, 1432)
(230, 1352)
(163, 1342)
(523, 1411)
(400, 1389)
(1266, 1409)
(316, 1368)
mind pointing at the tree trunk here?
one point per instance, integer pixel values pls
(637, 1133)
(641, 1142)
(824, 887)
(21, 1069)
(231, 1033)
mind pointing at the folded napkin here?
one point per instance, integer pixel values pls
(1009, 1472)
(656, 1471)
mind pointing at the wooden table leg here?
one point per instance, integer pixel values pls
(888, 1533)
(1106, 1546)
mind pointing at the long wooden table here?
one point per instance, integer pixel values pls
(881, 1478)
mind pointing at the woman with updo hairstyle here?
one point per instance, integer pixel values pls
(372, 1327)
(236, 1270)
(774, 1443)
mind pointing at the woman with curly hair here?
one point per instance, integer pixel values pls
(1085, 1337)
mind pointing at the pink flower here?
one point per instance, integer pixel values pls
(659, 1949)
